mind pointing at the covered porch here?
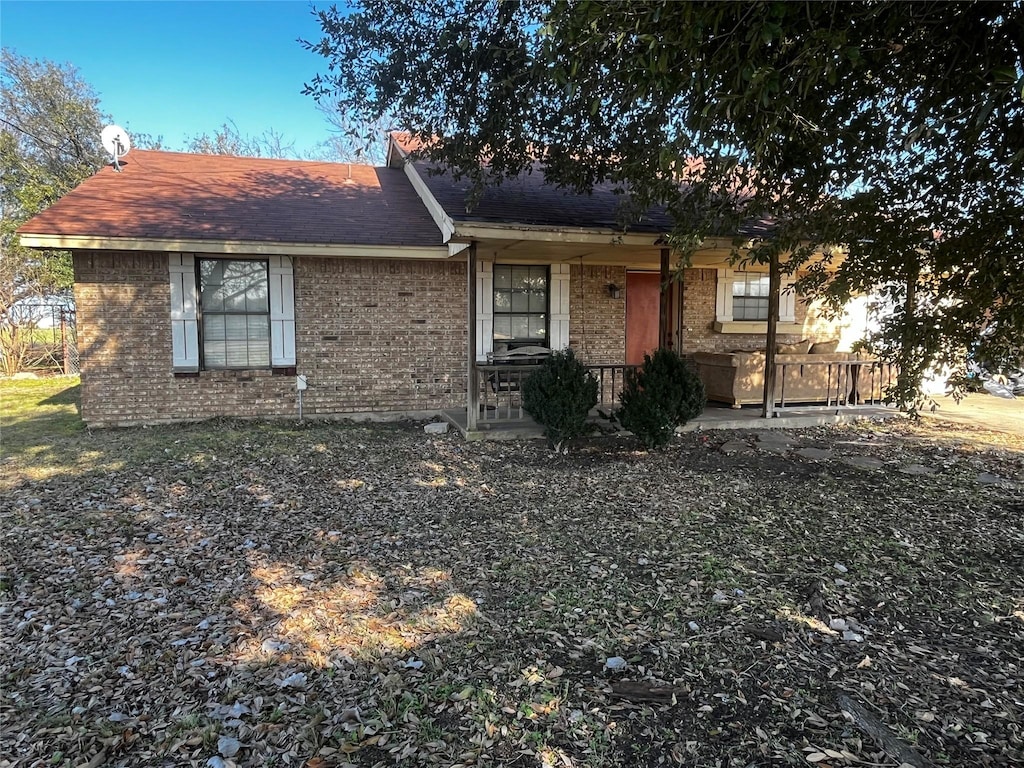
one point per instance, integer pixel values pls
(612, 299)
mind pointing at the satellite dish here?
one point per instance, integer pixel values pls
(115, 141)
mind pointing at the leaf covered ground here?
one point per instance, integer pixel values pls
(276, 594)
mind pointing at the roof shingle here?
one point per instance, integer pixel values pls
(172, 195)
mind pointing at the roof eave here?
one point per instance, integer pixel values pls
(238, 247)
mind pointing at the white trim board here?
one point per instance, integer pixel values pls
(234, 247)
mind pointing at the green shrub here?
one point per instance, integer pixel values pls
(660, 396)
(559, 395)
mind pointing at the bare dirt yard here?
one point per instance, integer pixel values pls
(282, 594)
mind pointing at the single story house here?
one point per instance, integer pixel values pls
(217, 286)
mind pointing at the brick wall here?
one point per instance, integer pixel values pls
(371, 336)
(381, 335)
(699, 335)
(384, 335)
(597, 322)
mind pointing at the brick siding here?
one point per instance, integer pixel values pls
(597, 322)
(699, 335)
(383, 335)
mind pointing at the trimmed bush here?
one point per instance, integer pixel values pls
(661, 395)
(559, 395)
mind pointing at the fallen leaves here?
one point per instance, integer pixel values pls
(330, 595)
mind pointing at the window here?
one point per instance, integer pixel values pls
(750, 296)
(520, 305)
(741, 303)
(234, 307)
(231, 313)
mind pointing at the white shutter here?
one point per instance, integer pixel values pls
(723, 303)
(787, 302)
(484, 309)
(282, 311)
(559, 298)
(184, 322)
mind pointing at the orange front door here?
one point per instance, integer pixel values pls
(643, 307)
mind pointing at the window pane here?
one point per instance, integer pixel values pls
(502, 277)
(257, 297)
(538, 301)
(520, 278)
(236, 346)
(520, 301)
(538, 327)
(749, 308)
(213, 341)
(520, 326)
(502, 301)
(501, 327)
(211, 276)
(259, 341)
(739, 287)
(233, 293)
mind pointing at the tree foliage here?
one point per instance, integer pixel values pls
(229, 140)
(50, 126)
(888, 136)
(49, 142)
(350, 141)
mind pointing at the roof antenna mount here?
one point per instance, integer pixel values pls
(115, 140)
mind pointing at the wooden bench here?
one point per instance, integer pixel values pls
(512, 379)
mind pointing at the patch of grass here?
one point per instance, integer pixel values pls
(35, 410)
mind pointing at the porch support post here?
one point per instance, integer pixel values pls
(664, 303)
(472, 386)
(774, 289)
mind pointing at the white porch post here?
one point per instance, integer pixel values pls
(774, 289)
(472, 386)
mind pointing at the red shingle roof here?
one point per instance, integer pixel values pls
(171, 195)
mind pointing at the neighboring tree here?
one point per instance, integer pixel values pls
(351, 141)
(145, 140)
(50, 126)
(229, 140)
(888, 135)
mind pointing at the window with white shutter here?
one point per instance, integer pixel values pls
(743, 298)
(231, 313)
(521, 305)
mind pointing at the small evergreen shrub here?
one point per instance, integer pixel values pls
(661, 395)
(559, 395)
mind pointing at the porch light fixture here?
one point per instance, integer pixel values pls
(614, 291)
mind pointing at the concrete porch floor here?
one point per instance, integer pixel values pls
(714, 417)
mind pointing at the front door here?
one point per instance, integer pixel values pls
(643, 309)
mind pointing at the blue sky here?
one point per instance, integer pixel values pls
(178, 69)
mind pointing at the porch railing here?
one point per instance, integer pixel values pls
(500, 386)
(846, 384)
